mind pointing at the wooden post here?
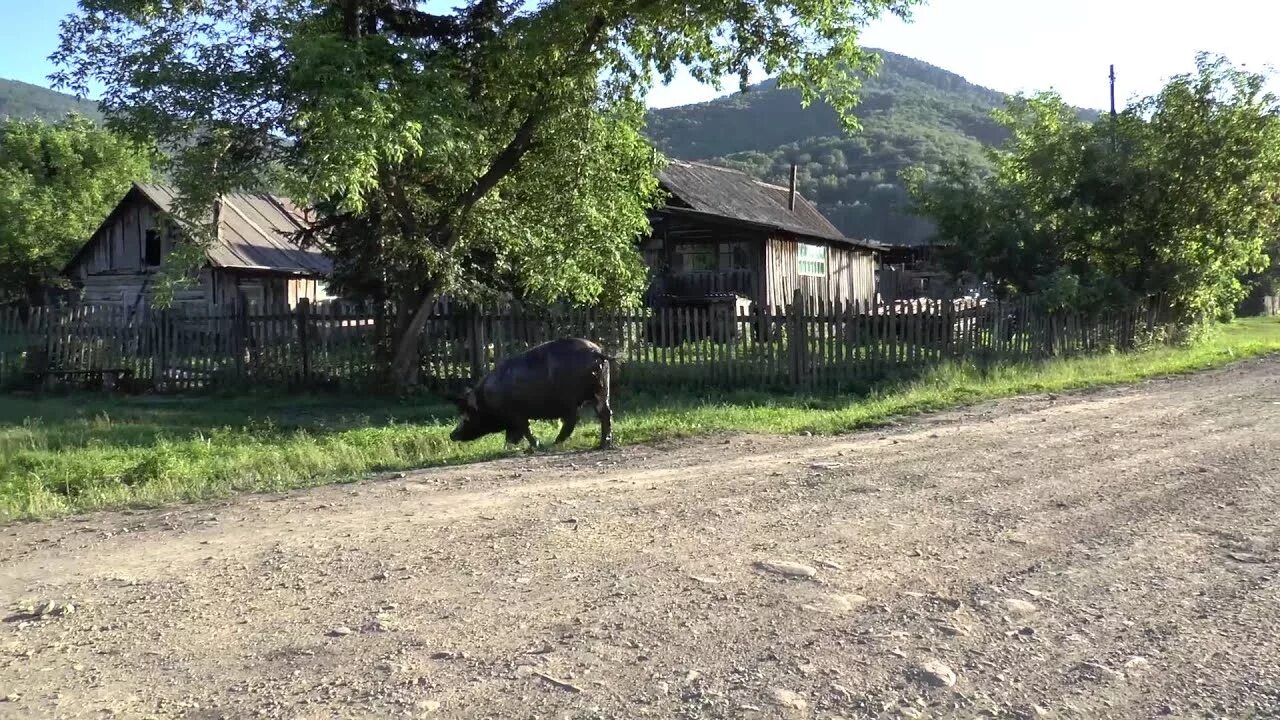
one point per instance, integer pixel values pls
(49, 320)
(475, 330)
(240, 335)
(796, 337)
(303, 315)
(160, 329)
(1052, 334)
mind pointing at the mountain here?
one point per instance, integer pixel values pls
(23, 100)
(912, 113)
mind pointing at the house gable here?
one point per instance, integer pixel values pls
(253, 257)
(121, 243)
(253, 235)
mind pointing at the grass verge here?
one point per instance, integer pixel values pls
(61, 455)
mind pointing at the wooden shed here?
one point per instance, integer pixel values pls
(254, 258)
(724, 231)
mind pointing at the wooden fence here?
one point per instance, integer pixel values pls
(809, 345)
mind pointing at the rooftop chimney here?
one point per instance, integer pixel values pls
(791, 196)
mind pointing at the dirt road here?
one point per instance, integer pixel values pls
(1104, 555)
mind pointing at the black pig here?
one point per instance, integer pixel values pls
(548, 382)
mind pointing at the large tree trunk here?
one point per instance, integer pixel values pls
(405, 362)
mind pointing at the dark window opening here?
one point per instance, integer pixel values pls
(735, 256)
(695, 257)
(151, 254)
(712, 257)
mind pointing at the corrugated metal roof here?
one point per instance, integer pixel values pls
(253, 233)
(738, 196)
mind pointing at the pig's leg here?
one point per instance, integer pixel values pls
(567, 424)
(514, 436)
(527, 434)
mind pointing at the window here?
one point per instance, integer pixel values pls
(811, 260)
(151, 253)
(712, 257)
(735, 256)
(693, 258)
(252, 295)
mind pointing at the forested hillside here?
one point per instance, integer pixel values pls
(22, 100)
(912, 113)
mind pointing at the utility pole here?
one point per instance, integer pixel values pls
(1112, 77)
(1113, 92)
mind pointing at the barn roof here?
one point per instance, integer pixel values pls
(734, 195)
(253, 233)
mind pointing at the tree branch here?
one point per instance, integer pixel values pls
(508, 160)
(410, 22)
(312, 234)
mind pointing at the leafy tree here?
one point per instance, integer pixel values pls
(495, 144)
(57, 182)
(1176, 197)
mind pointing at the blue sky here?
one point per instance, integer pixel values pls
(1008, 45)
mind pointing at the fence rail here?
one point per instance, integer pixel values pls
(808, 345)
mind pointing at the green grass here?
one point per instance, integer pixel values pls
(61, 455)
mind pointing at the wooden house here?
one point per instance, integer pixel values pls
(253, 258)
(724, 231)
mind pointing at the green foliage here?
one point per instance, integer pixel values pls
(911, 114)
(1175, 197)
(22, 101)
(57, 183)
(493, 147)
(80, 453)
(559, 223)
(565, 222)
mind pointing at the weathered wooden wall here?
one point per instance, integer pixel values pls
(774, 276)
(851, 274)
(119, 246)
(124, 288)
(659, 251)
(231, 287)
(111, 270)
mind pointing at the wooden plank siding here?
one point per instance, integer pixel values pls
(126, 288)
(850, 277)
(111, 269)
(660, 255)
(119, 246)
(774, 275)
(265, 289)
